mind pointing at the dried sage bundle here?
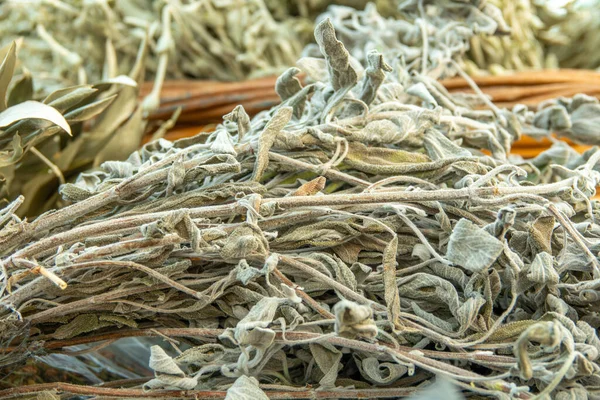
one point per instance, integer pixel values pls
(370, 236)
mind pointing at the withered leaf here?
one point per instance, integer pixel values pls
(288, 84)
(383, 373)
(542, 270)
(267, 138)
(472, 247)
(125, 139)
(245, 388)
(374, 76)
(341, 73)
(328, 361)
(392, 297)
(540, 234)
(354, 320)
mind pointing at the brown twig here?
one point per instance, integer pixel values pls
(309, 300)
(404, 353)
(69, 388)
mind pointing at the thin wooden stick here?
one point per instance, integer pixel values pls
(63, 387)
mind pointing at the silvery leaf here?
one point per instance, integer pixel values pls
(468, 311)
(554, 118)
(162, 363)
(420, 90)
(203, 354)
(287, 84)
(267, 138)
(383, 373)
(472, 247)
(374, 76)
(439, 147)
(223, 143)
(245, 388)
(390, 287)
(33, 110)
(261, 338)
(172, 381)
(542, 270)
(585, 121)
(241, 118)
(123, 80)
(440, 389)
(327, 359)
(314, 68)
(341, 73)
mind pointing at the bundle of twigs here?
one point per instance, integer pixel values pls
(363, 236)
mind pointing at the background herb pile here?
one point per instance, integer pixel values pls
(224, 40)
(544, 34)
(237, 40)
(370, 232)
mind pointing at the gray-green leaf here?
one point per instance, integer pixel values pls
(245, 388)
(341, 73)
(7, 69)
(472, 247)
(33, 110)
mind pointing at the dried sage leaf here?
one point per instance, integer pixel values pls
(471, 247)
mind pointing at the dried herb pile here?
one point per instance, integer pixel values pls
(366, 235)
(575, 23)
(68, 42)
(216, 39)
(544, 34)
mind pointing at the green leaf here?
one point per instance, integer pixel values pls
(123, 80)
(65, 99)
(22, 90)
(7, 69)
(124, 141)
(89, 110)
(69, 153)
(95, 142)
(33, 110)
(6, 158)
(138, 70)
